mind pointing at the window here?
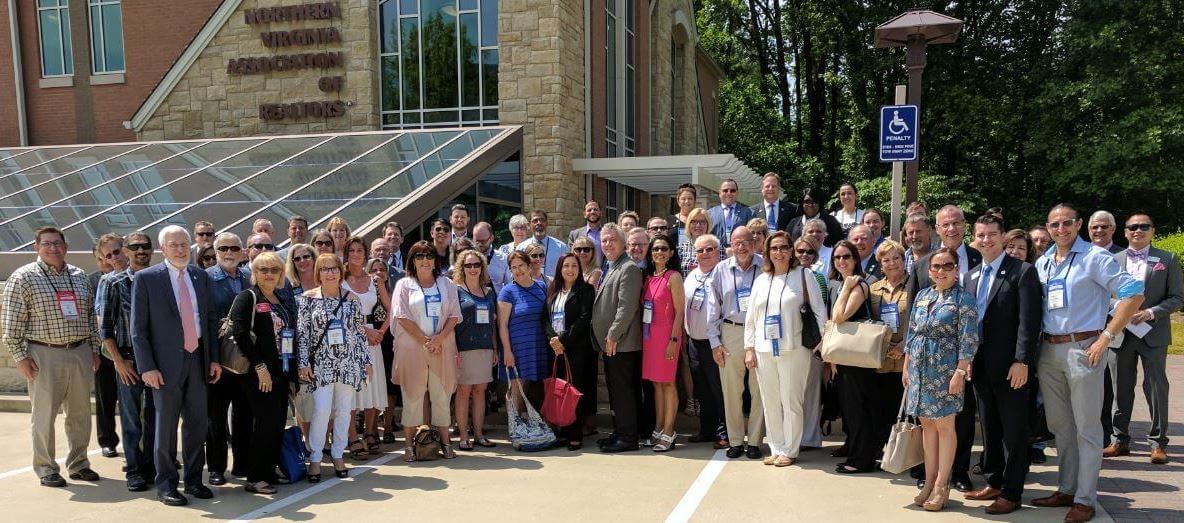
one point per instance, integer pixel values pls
(610, 68)
(106, 36)
(630, 129)
(620, 50)
(53, 20)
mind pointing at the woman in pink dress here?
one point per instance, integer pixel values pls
(661, 331)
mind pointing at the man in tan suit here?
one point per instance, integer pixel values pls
(616, 333)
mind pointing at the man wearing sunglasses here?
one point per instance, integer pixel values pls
(553, 249)
(227, 280)
(203, 236)
(111, 250)
(729, 214)
(1079, 280)
(259, 242)
(1148, 338)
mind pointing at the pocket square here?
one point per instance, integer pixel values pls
(1158, 267)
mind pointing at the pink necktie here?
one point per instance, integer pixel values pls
(186, 307)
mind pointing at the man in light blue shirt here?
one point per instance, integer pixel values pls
(499, 272)
(553, 249)
(1078, 280)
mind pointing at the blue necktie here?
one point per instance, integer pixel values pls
(984, 289)
(772, 222)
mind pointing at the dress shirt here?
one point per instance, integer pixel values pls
(822, 264)
(702, 324)
(552, 247)
(1136, 262)
(1091, 276)
(725, 277)
(31, 310)
(994, 265)
(499, 272)
(173, 277)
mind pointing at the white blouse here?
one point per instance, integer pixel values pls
(781, 295)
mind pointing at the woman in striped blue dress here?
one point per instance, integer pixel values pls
(521, 311)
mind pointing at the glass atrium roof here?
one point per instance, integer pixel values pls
(90, 190)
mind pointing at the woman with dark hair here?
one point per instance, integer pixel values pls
(849, 214)
(441, 233)
(569, 331)
(857, 385)
(426, 314)
(661, 332)
(1041, 240)
(811, 205)
(521, 309)
(322, 241)
(372, 397)
(1018, 245)
(685, 197)
(206, 258)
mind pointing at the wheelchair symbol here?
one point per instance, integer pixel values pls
(897, 125)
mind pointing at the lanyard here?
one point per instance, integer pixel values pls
(784, 284)
(736, 286)
(1049, 267)
(65, 271)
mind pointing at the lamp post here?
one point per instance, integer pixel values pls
(915, 30)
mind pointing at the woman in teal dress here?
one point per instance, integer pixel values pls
(942, 339)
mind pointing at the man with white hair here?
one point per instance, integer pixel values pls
(703, 315)
(1101, 231)
(519, 231)
(263, 225)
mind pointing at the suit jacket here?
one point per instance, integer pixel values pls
(873, 272)
(1011, 322)
(919, 278)
(1163, 293)
(615, 309)
(834, 230)
(743, 213)
(577, 319)
(786, 212)
(156, 322)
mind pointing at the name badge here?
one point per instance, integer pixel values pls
(432, 305)
(263, 307)
(557, 322)
(287, 337)
(335, 335)
(742, 295)
(698, 298)
(890, 315)
(773, 333)
(68, 304)
(1153, 259)
(647, 312)
(482, 314)
(1057, 298)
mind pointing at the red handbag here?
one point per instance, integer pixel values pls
(560, 397)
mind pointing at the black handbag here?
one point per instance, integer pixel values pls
(811, 336)
(230, 355)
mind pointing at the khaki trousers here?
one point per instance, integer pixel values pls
(732, 378)
(64, 380)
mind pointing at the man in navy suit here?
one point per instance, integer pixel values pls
(729, 214)
(776, 212)
(173, 336)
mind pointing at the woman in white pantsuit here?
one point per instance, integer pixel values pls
(773, 345)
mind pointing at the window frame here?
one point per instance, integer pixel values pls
(100, 24)
(64, 29)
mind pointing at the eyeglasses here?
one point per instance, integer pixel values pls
(229, 248)
(263, 246)
(727, 190)
(950, 225)
(1099, 227)
(323, 243)
(1139, 227)
(472, 265)
(139, 246)
(657, 228)
(1061, 224)
(635, 245)
(113, 254)
(203, 234)
(272, 270)
(439, 229)
(943, 267)
(330, 269)
(208, 258)
(425, 256)
(811, 252)
(842, 257)
(583, 250)
(659, 248)
(778, 248)
(302, 257)
(705, 250)
(52, 245)
(698, 222)
(537, 256)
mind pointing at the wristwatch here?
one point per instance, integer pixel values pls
(1108, 335)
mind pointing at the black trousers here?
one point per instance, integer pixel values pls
(1004, 414)
(583, 377)
(890, 392)
(709, 390)
(1107, 405)
(106, 393)
(184, 398)
(270, 411)
(858, 393)
(622, 375)
(237, 432)
(964, 426)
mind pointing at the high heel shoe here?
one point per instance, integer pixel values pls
(314, 477)
(343, 472)
(920, 499)
(936, 502)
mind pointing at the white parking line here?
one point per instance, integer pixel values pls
(23, 470)
(324, 485)
(690, 501)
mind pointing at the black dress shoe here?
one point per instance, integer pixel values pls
(172, 498)
(85, 475)
(217, 479)
(1037, 456)
(199, 491)
(753, 452)
(53, 479)
(619, 446)
(136, 484)
(735, 452)
(962, 485)
(109, 452)
(607, 440)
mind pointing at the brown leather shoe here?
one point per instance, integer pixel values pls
(1159, 457)
(987, 493)
(1002, 506)
(1115, 450)
(1079, 513)
(1056, 499)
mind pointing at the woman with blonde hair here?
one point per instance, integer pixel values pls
(339, 231)
(298, 268)
(589, 261)
(698, 224)
(475, 336)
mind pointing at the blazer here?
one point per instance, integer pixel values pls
(265, 348)
(221, 293)
(1011, 323)
(743, 213)
(615, 309)
(156, 322)
(834, 231)
(577, 319)
(786, 212)
(919, 278)
(1163, 292)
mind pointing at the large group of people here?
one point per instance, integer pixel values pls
(716, 311)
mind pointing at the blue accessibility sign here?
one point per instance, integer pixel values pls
(898, 133)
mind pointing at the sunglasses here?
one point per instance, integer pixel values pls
(425, 256)
(659, 228)
(269, 270)
(842, 257)
(263, 246)
(583, 250)
(943, 267)
(778, 248)
(204, 234)
(705, 250)
(323, 243)
(1139, 227)
(302, 257)
(229, 248)
(727, 190)
(1062, 224)
(537, 256)
(113, 254)
(660, 248)
(440, 229)
(811, 252)
(472, 265)
(139, 246)
(208, 258)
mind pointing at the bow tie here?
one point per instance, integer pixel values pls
(1135, 255)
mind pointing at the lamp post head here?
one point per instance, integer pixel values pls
(918, 24)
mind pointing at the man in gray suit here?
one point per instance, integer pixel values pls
(175, 347)
(1163, 294)
(616, 332)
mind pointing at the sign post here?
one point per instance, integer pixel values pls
(898, 144)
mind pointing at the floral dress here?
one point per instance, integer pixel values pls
(942, 330)
(345, 363)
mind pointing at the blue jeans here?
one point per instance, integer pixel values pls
(137, 418)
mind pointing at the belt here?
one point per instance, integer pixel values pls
(70, 345)
(1072, 337)
(730, 322)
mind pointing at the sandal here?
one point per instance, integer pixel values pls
(652, 440)
(261, 487)
(783, 461)
(314, 477)
(372, 443)
(465, 444)
(665, 443)
(409, 454)
(447, 452)
(341, 473)
(357, 450)
(483, 441)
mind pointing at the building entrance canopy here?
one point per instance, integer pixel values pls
(367, 178)
(663, 174)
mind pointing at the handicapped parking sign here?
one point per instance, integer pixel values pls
(898, 133)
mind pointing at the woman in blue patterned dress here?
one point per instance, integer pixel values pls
(943, 337)
(521, 311)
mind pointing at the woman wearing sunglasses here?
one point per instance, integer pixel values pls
(538, 257)
(475, 343)
(589, 261)
(206, 257)
(806, 251)
(856, 385)
(662, 310)
(942, 340)
(322, 241)
(300, 276)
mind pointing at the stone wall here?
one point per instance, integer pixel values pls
(541, 87)
(210, 103)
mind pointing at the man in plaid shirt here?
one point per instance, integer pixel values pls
(49, 327)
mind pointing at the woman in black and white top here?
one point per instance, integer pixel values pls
(773, 344)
